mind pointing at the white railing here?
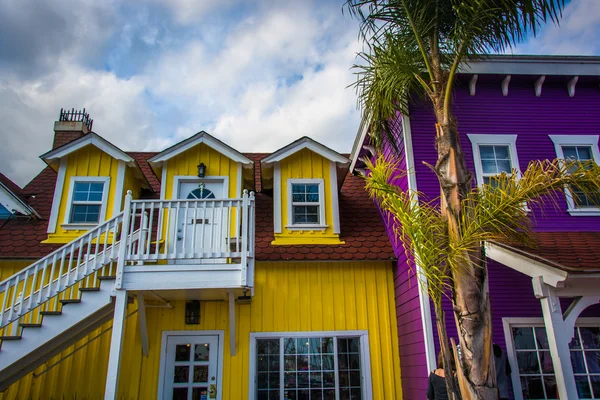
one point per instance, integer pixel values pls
(207, 231)
(60, 270)
(199, 231)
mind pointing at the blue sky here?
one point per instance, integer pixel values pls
(256, 74)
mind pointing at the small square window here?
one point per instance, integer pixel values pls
(306, 202)
(494, 155)
(86, 200)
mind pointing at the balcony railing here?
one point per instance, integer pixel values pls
(190, 231)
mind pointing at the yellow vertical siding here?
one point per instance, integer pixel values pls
(306, 164)
(289, 297)
(87, 161)
(186, 164)
(131, 183)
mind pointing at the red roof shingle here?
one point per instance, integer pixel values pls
(573, 252)
(362, 230)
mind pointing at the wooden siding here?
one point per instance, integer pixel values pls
(334, 296)
(306, 164)
(87, 161)
(186, 164)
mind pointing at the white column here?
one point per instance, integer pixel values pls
(558, 339)
(116, 343)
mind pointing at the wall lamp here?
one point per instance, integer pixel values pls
(201, 170)
(192, 312)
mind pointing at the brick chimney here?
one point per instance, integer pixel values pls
(72, 124)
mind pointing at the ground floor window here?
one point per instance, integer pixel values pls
(533, 363)
(310, 365)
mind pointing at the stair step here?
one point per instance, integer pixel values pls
(107, 278)
(89, 289)
(10, 337)
(24, 325)
(51, 312)
(70, 301)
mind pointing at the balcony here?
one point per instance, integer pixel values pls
(188, 244)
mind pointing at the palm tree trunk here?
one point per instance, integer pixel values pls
(477, 380)
(440, 317)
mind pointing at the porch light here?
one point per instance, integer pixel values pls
(201, 170)
(245, 299)
(192, 312)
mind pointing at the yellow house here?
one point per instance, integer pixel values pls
(198, 272)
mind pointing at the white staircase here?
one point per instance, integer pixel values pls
(151, 245)
(54, 302)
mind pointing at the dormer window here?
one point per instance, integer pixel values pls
(306, 205)
(87, 200)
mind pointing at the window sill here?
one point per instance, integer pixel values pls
(306, 227)
(584, 212)
(78, 227)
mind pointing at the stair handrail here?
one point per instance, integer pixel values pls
(28, 276)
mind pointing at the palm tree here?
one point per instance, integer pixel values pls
(414, 49)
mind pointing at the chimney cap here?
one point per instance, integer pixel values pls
(76, 116)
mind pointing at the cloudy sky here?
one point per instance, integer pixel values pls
(257, 74)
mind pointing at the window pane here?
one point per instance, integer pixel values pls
(501, 152)
(489, 167)
(523, 338)
(85, 213)
(546, 359)
(577, 362)
(583, 387)
(201, 352)
(504, 166)
(182, 374)
(487, 152)
(199, 393)
(551, 388)
(541, 338)
(590, 337)
(532, 387)
(180, 393)
(528, 362)
(306, 214)
(593, 361)
(570, 152)
(596, 385)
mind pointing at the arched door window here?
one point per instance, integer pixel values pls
(201, 193)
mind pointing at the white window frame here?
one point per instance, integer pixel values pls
(105, 180)
(321, 225)
(493, 140)
(577, 140)
(509, 323)
(367, 389)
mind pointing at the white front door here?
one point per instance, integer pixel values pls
(199, 224)
(191, 368)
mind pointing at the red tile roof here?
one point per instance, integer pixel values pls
(361, 227)
(573, 252)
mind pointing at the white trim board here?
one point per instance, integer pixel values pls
(90, 138)
(12, 202)
(119, 188)
(335, 206)
(178, 179)
(424, 303)
(277, 217)
(58, 189)
(367, 387)
(305, 143)
(163, 359)
(525, 265)
(201, 137)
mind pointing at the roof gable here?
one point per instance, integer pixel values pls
(305, 143)
(90, 138)
(11, 198)
(200, 137)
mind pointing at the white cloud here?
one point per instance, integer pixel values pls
(577, 33)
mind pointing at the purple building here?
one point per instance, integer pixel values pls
(546, 317)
